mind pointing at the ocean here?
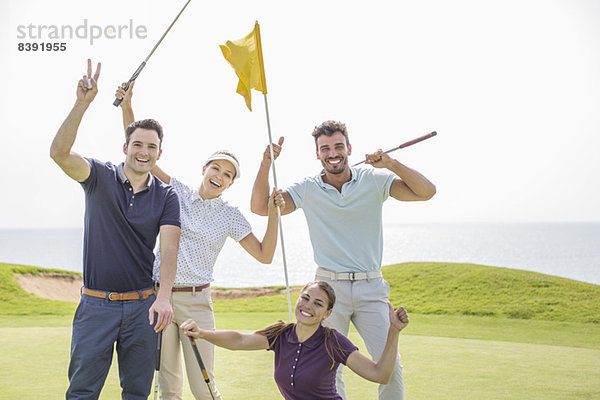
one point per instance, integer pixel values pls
(570, 250)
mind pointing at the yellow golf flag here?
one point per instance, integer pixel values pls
(245, 56)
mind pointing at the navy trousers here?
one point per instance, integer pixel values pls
(99, 324)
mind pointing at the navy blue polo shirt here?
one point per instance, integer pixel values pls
(120, 228)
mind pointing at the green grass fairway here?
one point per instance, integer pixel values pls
(434, 367)
(475, 333)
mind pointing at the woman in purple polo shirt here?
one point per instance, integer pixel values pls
(307, 354)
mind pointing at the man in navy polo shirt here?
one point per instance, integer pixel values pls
(126, 208)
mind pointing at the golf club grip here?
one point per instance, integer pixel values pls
(158, 351)
(417, 140)
(199, 358)
(117, 102)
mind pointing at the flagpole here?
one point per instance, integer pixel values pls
(287, 284)
(264, 91)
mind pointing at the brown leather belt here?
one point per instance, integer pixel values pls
(191, 288)
(118, 296)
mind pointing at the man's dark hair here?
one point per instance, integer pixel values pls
(150, 124)
(329, 128)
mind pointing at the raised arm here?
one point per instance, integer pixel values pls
(259, 202)
(160, 174)
(412, 185)
(73, 164)
(126, 108)
(381, 371)
(128, 119)
(231, 340)
(263, 251)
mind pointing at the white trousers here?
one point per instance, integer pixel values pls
(197, 306)
(364, 303)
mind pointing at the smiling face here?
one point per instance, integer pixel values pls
(218, 176)
(333, 152)
(142, 150)
(313, 305)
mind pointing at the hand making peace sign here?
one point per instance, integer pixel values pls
(87, 88)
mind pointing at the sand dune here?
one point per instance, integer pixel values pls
(67, 287)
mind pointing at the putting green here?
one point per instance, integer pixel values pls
(434, 368)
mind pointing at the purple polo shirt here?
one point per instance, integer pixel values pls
(303, 369)
(120, 228)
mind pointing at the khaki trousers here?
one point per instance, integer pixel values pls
(364, 303)
(197, 306)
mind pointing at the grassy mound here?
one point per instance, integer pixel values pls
(424, 288)
(468, 289)
(15, 301)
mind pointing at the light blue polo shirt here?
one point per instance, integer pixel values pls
(345, 228)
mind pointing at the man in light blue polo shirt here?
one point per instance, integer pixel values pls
(343, 210)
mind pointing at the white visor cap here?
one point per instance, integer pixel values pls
(221, 156)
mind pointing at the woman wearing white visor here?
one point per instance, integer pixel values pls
(206, 222)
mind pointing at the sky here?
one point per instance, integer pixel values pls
(511, 87)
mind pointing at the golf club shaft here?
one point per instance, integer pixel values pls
(143, 64)
(406, 144)
(157, 364)
(156, 385)
(202, 367)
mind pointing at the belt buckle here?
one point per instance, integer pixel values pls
(113, 298)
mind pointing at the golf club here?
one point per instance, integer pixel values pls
(403, 145)
(157, 364)
(202, 367)
(143, 64)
